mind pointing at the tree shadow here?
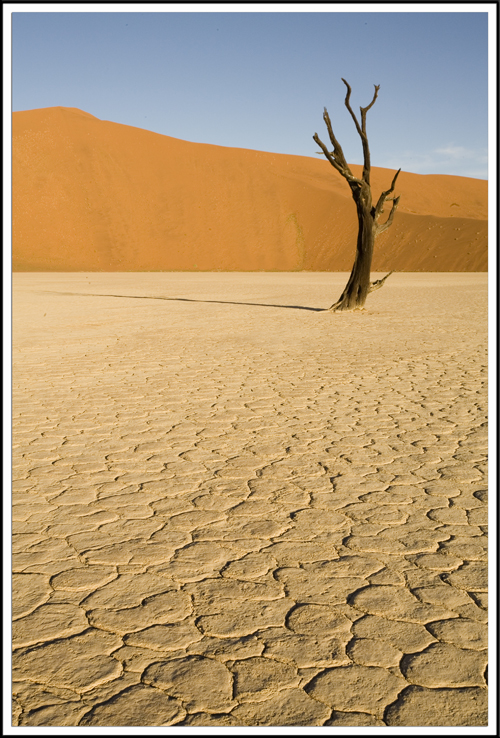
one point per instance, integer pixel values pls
(187, 299)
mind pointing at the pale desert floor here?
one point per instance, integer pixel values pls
(232, 509)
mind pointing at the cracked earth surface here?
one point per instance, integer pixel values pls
(228, 514)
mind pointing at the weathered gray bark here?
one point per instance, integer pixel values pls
(359, 287)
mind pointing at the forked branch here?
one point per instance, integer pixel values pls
(337, 148)
(380, 228)
(385, 196)
(365, 110)
(343, 170)
(361, 129)
(379, 208)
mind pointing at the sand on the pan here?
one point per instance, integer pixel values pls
(231, 508)
(92, 195)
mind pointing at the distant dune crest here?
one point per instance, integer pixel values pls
(91, 195)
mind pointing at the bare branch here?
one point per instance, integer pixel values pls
(337, 148)
(384, 226)
(346, 173)
(328, 155)
(362, 129)
(379, 282)
(365, 110)
(348, 106)
(385, 196)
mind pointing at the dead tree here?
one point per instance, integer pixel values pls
(358, 287)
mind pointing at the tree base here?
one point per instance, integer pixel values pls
(348, 301)
(345, 308)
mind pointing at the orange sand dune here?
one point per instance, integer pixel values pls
(91, 195)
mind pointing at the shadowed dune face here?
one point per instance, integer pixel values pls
(91, 195)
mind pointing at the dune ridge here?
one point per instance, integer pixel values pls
(92, 195)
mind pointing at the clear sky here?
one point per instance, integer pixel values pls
(260, 80)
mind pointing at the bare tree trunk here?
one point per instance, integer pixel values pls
(359, 287)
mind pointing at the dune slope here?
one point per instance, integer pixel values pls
(92, 195)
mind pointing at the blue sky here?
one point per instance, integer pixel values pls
(260, 80)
